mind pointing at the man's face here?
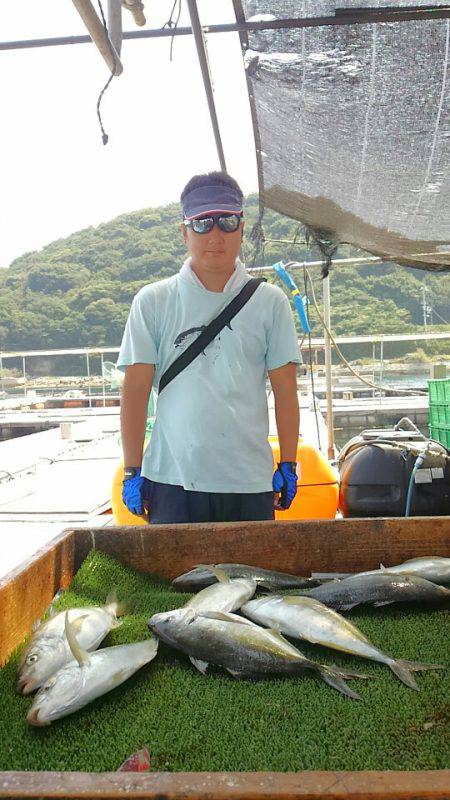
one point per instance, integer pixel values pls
(214, 251)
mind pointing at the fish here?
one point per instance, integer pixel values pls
(138, 762)
(48, 649)
(239, 646)
(87, 676)
(433, 568)
(202, 575)
(305, 618)
(227, 595)
(379, 589)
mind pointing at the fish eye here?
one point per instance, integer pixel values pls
(32, 658)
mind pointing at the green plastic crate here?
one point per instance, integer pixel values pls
(440, 414)
(441, 434)
(439, 391)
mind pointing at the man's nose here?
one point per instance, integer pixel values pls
(215, 233)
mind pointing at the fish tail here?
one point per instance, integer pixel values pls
(116, 607)
(334, 678)
(418, 666)
(402, 670)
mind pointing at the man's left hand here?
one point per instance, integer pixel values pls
(285, 482)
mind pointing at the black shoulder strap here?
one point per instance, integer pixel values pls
(210, 332)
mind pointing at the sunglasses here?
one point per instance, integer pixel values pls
(227, 224)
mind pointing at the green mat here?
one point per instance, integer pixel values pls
(194, 722)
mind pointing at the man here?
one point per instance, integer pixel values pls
(209, 458)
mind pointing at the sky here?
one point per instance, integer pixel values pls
(57, 177)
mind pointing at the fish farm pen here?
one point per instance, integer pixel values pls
(214, 736)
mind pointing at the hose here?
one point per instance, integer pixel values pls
(417, 464)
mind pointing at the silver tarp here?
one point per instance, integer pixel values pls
(352, 126)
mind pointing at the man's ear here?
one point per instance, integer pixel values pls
(184, 232)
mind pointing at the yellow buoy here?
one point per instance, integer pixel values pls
(318, 488)
(317, 496)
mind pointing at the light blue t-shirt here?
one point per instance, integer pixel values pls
(211, 428)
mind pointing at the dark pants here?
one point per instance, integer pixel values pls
(171, 504)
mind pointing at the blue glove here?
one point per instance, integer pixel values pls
(131, 492)
(285, 482)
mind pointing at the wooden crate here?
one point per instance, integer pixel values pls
(297, 547)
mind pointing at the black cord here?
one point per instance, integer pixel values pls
(171, 24)
(111, 50)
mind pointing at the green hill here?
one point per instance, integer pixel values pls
(77, 291)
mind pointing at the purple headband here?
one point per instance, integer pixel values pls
(211, 200)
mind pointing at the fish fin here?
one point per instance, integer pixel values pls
(115, 607)
(36, 625)
(220, 574)
(401, 669)
(212, 568)
(78, 653)
(344, 606)
(417, 666)
(202, 666)
(225, 617)
(380, 603)
(77, 624)
(294, 599)
(234, 672)
(347, 674)
(333, 678)
(277, 634)
(264, 585)
(382, 567)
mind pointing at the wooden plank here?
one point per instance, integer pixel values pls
(168, 550)
(349, 545)
(343, 545)
(27, 591)
(427, 785)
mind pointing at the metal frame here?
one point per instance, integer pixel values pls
(202, 53)
(341, 17)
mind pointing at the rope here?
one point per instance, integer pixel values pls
(171, 24)
(380, 387)
(105, 136)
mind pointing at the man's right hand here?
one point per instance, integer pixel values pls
(131, 491)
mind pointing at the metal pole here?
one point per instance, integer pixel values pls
(89, 379)
(339, 262)
(103, 379)
(115, 24)
(424, 307)
(206, 73)
(327, 319)
(381, 365)
(24, 377)
(95, 27)
(359, 17)
(373, 367)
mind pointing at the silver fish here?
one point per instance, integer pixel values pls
(379, 589)
(203, 575)
(244, 649)
(227, 595)
(90, 676)
(48, 649)
(305, 618)
(433, 568)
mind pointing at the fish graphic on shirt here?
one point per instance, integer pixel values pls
(181, 338)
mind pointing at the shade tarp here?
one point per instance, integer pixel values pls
(352, 127)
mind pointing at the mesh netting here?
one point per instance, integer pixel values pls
(352, 127)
